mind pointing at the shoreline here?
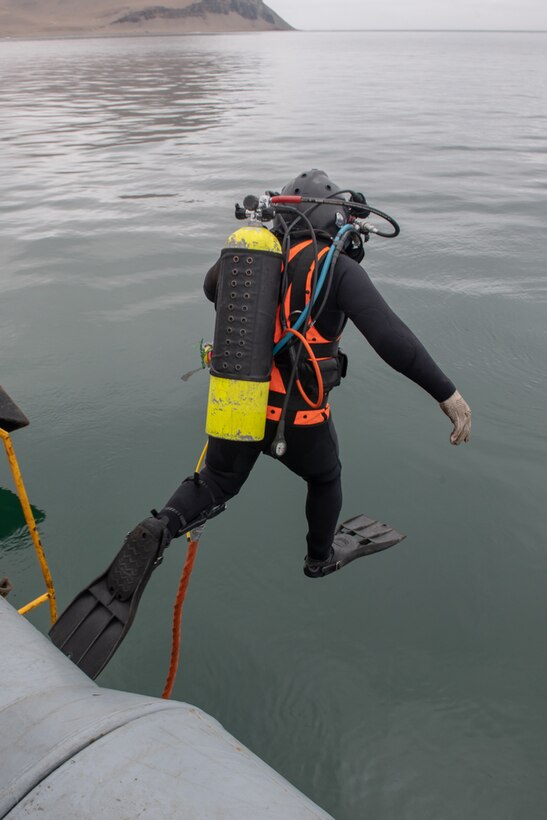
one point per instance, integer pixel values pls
(48, 37)
(142, 35)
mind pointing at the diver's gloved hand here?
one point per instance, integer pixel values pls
(459, 413)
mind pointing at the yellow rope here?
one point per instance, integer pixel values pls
(202, 457)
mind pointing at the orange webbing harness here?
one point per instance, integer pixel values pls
(315, 344)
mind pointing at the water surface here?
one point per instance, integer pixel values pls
(411, 685)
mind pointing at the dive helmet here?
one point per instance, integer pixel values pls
(316, 183)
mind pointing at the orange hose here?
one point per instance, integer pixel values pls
(314, 405)
(177, 618)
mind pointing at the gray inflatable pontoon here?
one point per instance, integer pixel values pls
(70, 749)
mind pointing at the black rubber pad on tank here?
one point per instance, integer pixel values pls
(247, 300)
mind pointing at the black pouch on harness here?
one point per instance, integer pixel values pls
(333, 370)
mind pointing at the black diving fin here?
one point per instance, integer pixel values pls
(355, 538)
(92, 627)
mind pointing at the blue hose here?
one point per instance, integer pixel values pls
(320, 282)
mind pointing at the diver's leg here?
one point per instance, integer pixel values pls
(312, 453)
(227, 467)
(93, 626)
(323, 505)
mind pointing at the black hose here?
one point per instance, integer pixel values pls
(351, 204)
(279, 445)
(330, 277)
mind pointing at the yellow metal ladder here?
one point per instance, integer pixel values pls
(12, 418)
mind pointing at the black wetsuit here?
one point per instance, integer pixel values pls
(312, 452)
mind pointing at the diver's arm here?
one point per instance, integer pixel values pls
(357, 297)
(211, 281)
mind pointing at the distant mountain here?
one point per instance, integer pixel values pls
(65, 18)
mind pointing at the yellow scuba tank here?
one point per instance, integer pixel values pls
(246, 304)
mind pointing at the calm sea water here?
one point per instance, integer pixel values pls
(410, 686)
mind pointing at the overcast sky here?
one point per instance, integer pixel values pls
(413, 14)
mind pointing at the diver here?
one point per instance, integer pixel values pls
(306, 365)
(310, 436)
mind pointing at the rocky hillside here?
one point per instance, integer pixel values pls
(65, 18)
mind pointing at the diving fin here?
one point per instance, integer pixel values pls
(355, 538)
(92, 627)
